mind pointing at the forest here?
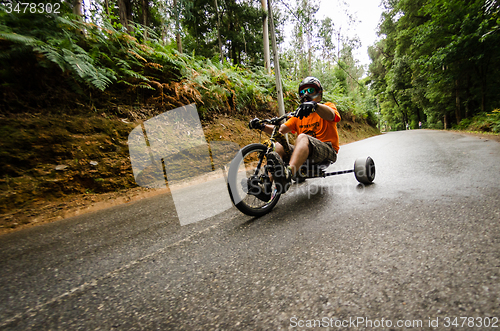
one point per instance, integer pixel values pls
(436, 61)
(168, 53)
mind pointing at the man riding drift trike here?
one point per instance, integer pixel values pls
(260, 173)
(317, 137)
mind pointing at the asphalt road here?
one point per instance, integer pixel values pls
(420, 247)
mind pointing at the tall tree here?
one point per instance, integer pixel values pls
(125, 10)
(78, 8)
(326, 34)
(265, 36)
(178, 39)
(240, 29)
(145, 14)
(305, 29)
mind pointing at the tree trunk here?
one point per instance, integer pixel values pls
(177, 28)
(467, 97)
(483, 97)
(234, 53)
(124, 9)
(145, 12)
(277, 72)
(265, 29)
(106, 7)
(458, 112)
(232, 27)
(309, 60)
(338, 45)
(483, 71)
(218, 32)
(178, 40)
(78, 9)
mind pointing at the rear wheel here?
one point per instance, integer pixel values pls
(364, 170)
(248, 182)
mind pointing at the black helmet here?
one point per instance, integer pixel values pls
(310, 82)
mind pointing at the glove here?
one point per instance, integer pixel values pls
(305, 109)
(255, 124)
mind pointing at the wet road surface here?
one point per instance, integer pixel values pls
(420, 247)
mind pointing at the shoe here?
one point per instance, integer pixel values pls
(282, 174)
(253, 186)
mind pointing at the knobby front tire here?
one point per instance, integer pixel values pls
(243, 167)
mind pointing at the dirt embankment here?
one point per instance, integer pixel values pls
(57, 166)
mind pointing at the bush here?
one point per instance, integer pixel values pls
(437, 126)
(485, 122)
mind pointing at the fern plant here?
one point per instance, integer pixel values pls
(100, 57)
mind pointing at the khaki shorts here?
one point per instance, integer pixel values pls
(320, 151)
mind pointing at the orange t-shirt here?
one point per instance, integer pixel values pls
(318, 127)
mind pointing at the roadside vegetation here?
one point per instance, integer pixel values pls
(484, 122)
(438, 62)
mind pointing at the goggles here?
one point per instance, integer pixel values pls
(308, 90)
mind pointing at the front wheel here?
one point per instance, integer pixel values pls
(248, 182)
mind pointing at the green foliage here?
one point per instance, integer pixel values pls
(77, 61)
(438, 59)
(240, 30)
(99, 58)
(487, 122)
(228, 87)
(85, 53)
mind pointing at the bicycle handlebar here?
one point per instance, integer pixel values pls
(277, 120)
